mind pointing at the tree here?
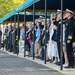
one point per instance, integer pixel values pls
(7, 6)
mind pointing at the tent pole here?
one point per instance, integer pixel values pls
(18, 35)
(33, 28)
(45, 30)
(15, 21)
(25, 32)
(0, 37)
(3, 35)
(61, 68)
(15, 34)
(6, 37)
(11, 34)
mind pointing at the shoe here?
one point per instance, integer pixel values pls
(54, 62)
(66, 65)
(38, 57)
(50, 61)
(42, 58)
(58, 63)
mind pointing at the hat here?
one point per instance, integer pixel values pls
(41, 17)
(58, 11)
(69, 11)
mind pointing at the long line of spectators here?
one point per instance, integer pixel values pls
(53, 37)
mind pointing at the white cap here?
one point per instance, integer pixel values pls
(41, 17)
(67, 10)
(58, 10)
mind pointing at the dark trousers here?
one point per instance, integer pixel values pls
(0, 41)
(70, 54)
(58, 44)
(8, 45)
(14, 47)
(43, 53)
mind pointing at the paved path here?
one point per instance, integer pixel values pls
(13, 65)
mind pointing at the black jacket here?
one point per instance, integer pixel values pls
(0, 33)
(69, 29)
(47, 34)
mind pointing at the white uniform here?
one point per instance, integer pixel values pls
(50, 45)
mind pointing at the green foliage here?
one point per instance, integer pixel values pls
(7, 6)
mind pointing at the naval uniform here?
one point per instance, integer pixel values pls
(69, 36)
(58, 36)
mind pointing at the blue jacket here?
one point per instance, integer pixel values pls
(38, 33)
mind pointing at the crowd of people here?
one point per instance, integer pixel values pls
(52, 37)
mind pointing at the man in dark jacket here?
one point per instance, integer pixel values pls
(58, 24)
(47, 30)
(69, 36)
(9, 39)
(17, 36)
(0, 37)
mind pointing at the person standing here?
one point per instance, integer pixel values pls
(58, 24)
(0, 37)
(37, 41)
(22, 37)
(9, 39)
(50, 44)
(54, 40)
(69, 38)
